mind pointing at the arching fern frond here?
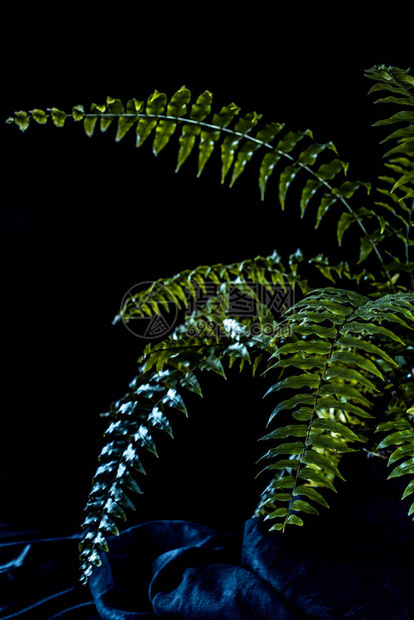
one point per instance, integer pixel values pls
(206, 340)
(401, 459)
(396, 186)
(400, 85)
(332, 364)
(288, 158)
(159, 118)
(397, 431)
(286, 154)
(135, 417)
(199, 284)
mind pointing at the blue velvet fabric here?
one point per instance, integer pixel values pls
(362, 569)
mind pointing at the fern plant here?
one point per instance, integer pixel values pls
(339, 360)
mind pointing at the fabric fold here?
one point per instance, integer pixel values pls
(351, 562)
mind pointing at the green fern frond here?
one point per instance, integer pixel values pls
(397, 444)
(239, 137)
(135, 417)
(402, 440)
(202, 343)
(204, 282)
(397, 186)
(286, 155)
(400, 84)
(160, 117)
(333, 364)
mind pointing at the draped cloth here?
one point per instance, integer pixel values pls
(359, 568)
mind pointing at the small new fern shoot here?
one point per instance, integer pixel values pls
(332, 357)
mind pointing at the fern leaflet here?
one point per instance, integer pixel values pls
(333, 365)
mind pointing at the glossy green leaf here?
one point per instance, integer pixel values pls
(155, 106)
(317, 439)
(39, 116)
(283, 464)
(315, 476)
(210, 136)
(290, 403)
(290, 448)
(305, 346)
(314, 330)
(176, 107)
(308, 192)
(295, 520)
(406, 467)
(213, 363)
(409, 490)
(285, 482)
(286, 178)
(296, 382)
(190, 381)
(335, 427)
(246, 150)
(295, 430)
(267, 167)
(301, 506)
(401, 452)
(312, 494)
(405, 116)
(78, 112)
(21, 119)
(345, 391)
(125, 123)
(356, 359)
(349, 374)
(290, 140)
(344, 223)
(280, 512)
(58, 117)
(324, 462)
(396, 439)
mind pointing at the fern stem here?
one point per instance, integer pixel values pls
(375, 454)
(306, 440)
(407, 240)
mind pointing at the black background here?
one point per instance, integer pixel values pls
(84, 219)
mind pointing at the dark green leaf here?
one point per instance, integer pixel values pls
(409, 490)
(324, 462)
(302, 506)
(295, 520)
(295, 430)
(396, 439)
(333, 426)
(315, 477)
(285, 448)
(406, 467)
(311, 493)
